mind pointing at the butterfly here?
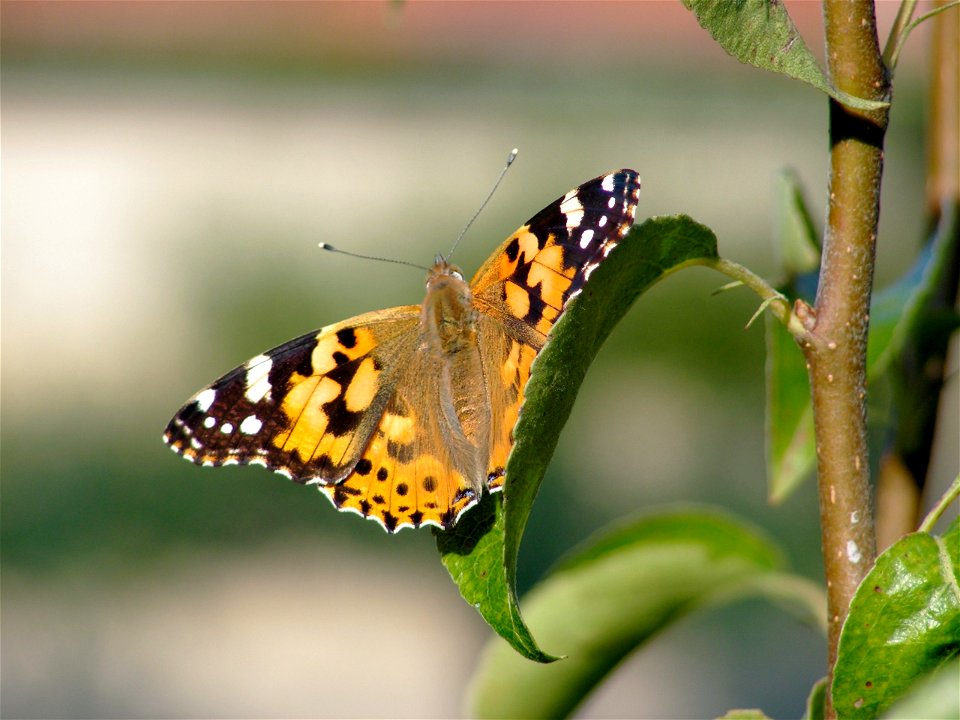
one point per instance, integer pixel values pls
(406, 415)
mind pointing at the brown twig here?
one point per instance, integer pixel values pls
(836, 343)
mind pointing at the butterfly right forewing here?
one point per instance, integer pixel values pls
(525, 287)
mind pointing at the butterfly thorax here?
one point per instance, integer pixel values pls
(449, 334)
(449, 318)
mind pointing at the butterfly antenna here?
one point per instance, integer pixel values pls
(510, 159)
(331, 248)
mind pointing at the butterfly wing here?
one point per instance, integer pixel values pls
(419, 468)
(305, 409)
(524, 287)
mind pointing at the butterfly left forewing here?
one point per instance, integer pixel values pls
(305, 409)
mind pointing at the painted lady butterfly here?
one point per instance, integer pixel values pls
(405, 415)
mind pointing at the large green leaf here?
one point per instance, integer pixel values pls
(761, 33)
(480, 552)
(904, 622)
(619, 590)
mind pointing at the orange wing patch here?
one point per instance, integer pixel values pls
(506, 400)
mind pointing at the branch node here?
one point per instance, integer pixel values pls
(805, 314)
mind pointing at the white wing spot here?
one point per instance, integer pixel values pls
(209, 422)
(586, 238)
(205, 398)
(572, 208)
(603, 221)
(588, 270)
(611, 203)
(607, 183)
(258, 378)
(251, 425)
(226, 428)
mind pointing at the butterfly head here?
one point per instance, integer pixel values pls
(444, 274)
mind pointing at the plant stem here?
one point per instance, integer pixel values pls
(943, 162)
(952, 493)
(772, 299)
(897, 32)
(835, 347)
(902, 29)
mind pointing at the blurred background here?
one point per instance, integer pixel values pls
(167, 172)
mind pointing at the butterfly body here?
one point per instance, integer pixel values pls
(406, 415)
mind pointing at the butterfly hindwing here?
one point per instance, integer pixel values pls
(421, 467)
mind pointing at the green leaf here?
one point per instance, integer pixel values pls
(816, 701)
(794, 232)
(901, 309)
(934, 697)
(761, 33)
(789, 415)
(481, 554)
(791, 448)
(904, 622)
(615, 593)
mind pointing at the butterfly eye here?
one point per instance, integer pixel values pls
(457, 275)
